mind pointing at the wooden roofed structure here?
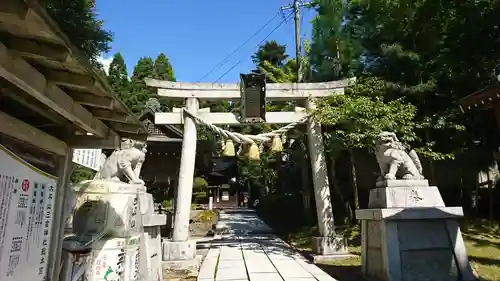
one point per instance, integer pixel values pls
(161, 168)
(488, 100)
(165, 133)
(46, 83)
(484, 99)
(52, 101)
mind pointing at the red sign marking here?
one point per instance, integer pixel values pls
(26, 185)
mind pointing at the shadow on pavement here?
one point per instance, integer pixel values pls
(343, 272)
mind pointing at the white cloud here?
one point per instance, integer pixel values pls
(105, 62)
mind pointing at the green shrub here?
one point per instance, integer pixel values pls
(195, 206)
(201, 194)
(207, 216)
(199, 183)
(167, 204)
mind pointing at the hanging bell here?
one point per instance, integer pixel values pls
(253, 152)
(276, 145)
(228, 148)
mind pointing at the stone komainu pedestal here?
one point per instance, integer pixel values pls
(151, 247)
(409, 234)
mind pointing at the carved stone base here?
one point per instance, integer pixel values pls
(408, 234)
(413, 244)
(154, 219)
(402, 183)
(191, 268)
(405, 197)
(179, 251)
(151, 253)
(147, 204)
(329, 245)
(329, 258)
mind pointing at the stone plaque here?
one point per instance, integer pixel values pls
(423, 234)
(405, 197)
(429, 265)
(373, 237)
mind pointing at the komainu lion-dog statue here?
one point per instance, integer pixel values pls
(394, 161)
(124, 163)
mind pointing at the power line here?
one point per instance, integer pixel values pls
(226, 59)
(262, 41)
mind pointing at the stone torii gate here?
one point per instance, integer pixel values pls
(181, 248)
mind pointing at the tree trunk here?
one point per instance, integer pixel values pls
(306, 195)
(333, 180)
(460, 172)
(490, 194)
(250, 195)
(354, 184)
(476, 196)
(432, 174)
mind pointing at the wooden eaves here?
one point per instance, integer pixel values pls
(50, 95)
(168, 133)
(483, 99)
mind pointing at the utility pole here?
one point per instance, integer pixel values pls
(326, 226)
(296, 6)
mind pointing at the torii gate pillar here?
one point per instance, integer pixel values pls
(181, 248)
(327, 243)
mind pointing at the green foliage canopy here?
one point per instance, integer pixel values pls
(133, 90)
(270, 52)
(361, 114)
(78, 20)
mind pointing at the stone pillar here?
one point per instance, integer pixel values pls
(409, 234)
(180, 248)
(186, 175)
(151, 248)
(328, 243)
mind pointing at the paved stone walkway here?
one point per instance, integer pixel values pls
(248, 251)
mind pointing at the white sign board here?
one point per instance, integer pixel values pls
(90, 158)
(26, 205)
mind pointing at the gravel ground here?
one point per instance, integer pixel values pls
(178, 275)
(200, 229)
(197, 230)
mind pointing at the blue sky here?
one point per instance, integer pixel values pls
(196, 35)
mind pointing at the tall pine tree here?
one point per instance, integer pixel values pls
(162, 69)
(334, 53)
(412, 47)
(270, 52)
(78, 20)
(118, 78)
(140, 92)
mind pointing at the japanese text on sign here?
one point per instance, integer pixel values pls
(26, 203)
